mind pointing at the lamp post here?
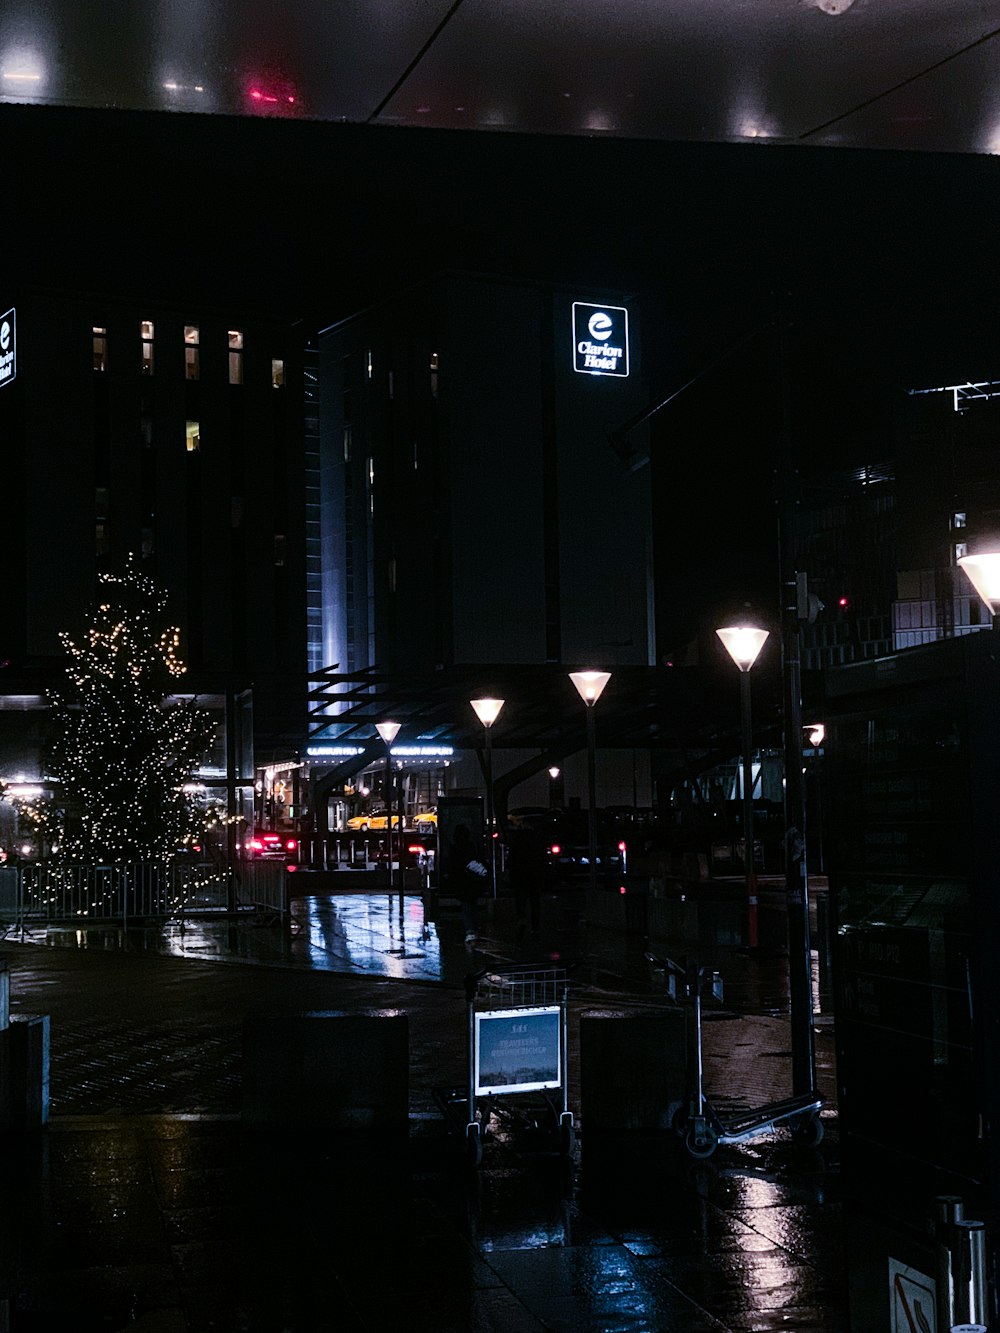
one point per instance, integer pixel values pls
(983, 572)
(590, 686)
(743, 644)
(389, 731)
(488, 710)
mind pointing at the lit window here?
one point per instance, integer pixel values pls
(961, 548)
(235, 356)
(146, 334)
(277, 373)
(100, 348)
(958, 520)
(192, 432)
(192, 364)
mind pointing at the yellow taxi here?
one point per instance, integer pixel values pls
(372, 821)
(426, 820)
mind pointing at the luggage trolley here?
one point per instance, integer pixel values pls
(517, 1056)
(697, 1121)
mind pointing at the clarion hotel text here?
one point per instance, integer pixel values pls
(597, 357)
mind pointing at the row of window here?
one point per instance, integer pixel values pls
(192, 353)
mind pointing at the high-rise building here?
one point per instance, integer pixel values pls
(473, 510)
(474, 514)
(175, 434)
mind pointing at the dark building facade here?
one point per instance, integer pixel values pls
(473, 509)
(174, 434)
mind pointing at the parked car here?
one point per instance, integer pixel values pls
(266, 845)
(571, 861)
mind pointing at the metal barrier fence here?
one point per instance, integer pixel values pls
(144, 891)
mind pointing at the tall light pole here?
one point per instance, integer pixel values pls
(743, 644)
(488, 710)
(590, 686)
(389, 731)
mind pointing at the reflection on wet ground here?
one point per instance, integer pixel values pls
(416, 937)
(147, 1200)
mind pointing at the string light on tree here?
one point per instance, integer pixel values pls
(123, 747)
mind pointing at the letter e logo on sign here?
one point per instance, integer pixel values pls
(600, 339)
(8, 347)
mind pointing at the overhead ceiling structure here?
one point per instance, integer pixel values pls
(888, 74)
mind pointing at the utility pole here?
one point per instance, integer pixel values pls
(794, 601)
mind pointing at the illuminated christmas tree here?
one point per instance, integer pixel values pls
(124, 745)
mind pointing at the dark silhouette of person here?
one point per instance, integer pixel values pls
(466, 877)
(527, 866)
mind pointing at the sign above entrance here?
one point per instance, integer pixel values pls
(600, 339)
(8, 347)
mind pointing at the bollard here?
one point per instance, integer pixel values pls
(948, 1210)
(969, 1266)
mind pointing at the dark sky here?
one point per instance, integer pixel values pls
(883, 263)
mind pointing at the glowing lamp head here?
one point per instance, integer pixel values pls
(388, 730)
(743, 644)
(984, 575)
(487, 710)
(590, 684)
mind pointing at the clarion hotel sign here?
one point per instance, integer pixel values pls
(600, 339)
(8, 347)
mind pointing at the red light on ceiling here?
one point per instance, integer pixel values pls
(555, 849)
(843, 601)
(621, 845)
(621, 889)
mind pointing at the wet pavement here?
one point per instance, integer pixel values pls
(146, 1203)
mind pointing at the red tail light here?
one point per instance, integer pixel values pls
(291, 869)
(416, 848)
(291, 844)
(256, 845)
(555, 849)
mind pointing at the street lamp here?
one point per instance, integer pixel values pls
(590, 686)
(984, 575)
(389, 731)
(743, 644)
(488, 710)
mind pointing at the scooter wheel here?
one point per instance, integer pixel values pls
(808, 1131)
(701, 1143)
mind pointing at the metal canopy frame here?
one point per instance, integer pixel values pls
(643, 707)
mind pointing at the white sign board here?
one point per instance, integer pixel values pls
(517, 1050)
(600, 339)
(912, 1300)
(8, 347)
